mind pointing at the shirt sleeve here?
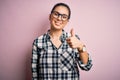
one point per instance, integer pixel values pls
(85, 67)
(34, 61)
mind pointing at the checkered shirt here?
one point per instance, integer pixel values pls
(51, 63)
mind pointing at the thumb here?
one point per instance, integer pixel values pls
(72, 32)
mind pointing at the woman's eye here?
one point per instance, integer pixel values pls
(64, 16)
(56, 14)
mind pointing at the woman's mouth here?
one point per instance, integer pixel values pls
(58, 23)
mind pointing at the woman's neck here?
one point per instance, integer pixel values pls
(55, 37)
(55, 34)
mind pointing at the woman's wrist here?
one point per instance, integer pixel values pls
(82, 48)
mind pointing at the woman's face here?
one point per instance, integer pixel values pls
(59, 18)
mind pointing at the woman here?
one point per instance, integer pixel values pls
(57, 54)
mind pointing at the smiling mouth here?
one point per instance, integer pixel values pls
(58, 23)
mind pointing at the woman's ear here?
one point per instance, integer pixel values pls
(68, 20)
(49, 16)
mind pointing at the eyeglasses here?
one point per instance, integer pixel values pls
(56, 14)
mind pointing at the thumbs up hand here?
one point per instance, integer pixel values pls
(73, 41)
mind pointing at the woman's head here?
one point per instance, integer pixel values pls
(60, 15)
(64, 5)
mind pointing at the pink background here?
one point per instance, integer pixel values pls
(97, 22)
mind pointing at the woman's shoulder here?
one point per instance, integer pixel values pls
(41, 38)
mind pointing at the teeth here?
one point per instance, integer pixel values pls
(58, 23)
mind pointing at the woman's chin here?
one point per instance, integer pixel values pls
(57, 27)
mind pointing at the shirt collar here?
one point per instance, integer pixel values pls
(62, 37)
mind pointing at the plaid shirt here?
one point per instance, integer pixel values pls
(51, 63)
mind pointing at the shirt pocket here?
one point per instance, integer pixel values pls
(66, 61)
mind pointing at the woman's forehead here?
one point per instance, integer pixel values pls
(62, 9)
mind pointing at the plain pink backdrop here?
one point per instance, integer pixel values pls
(97, 22)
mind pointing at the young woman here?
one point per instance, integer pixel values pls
(57, 54)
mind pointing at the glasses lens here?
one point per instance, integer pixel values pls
(55, 14)
(64, 17)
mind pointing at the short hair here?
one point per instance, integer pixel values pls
(62, 4)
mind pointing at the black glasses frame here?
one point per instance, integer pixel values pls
(57, 15)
